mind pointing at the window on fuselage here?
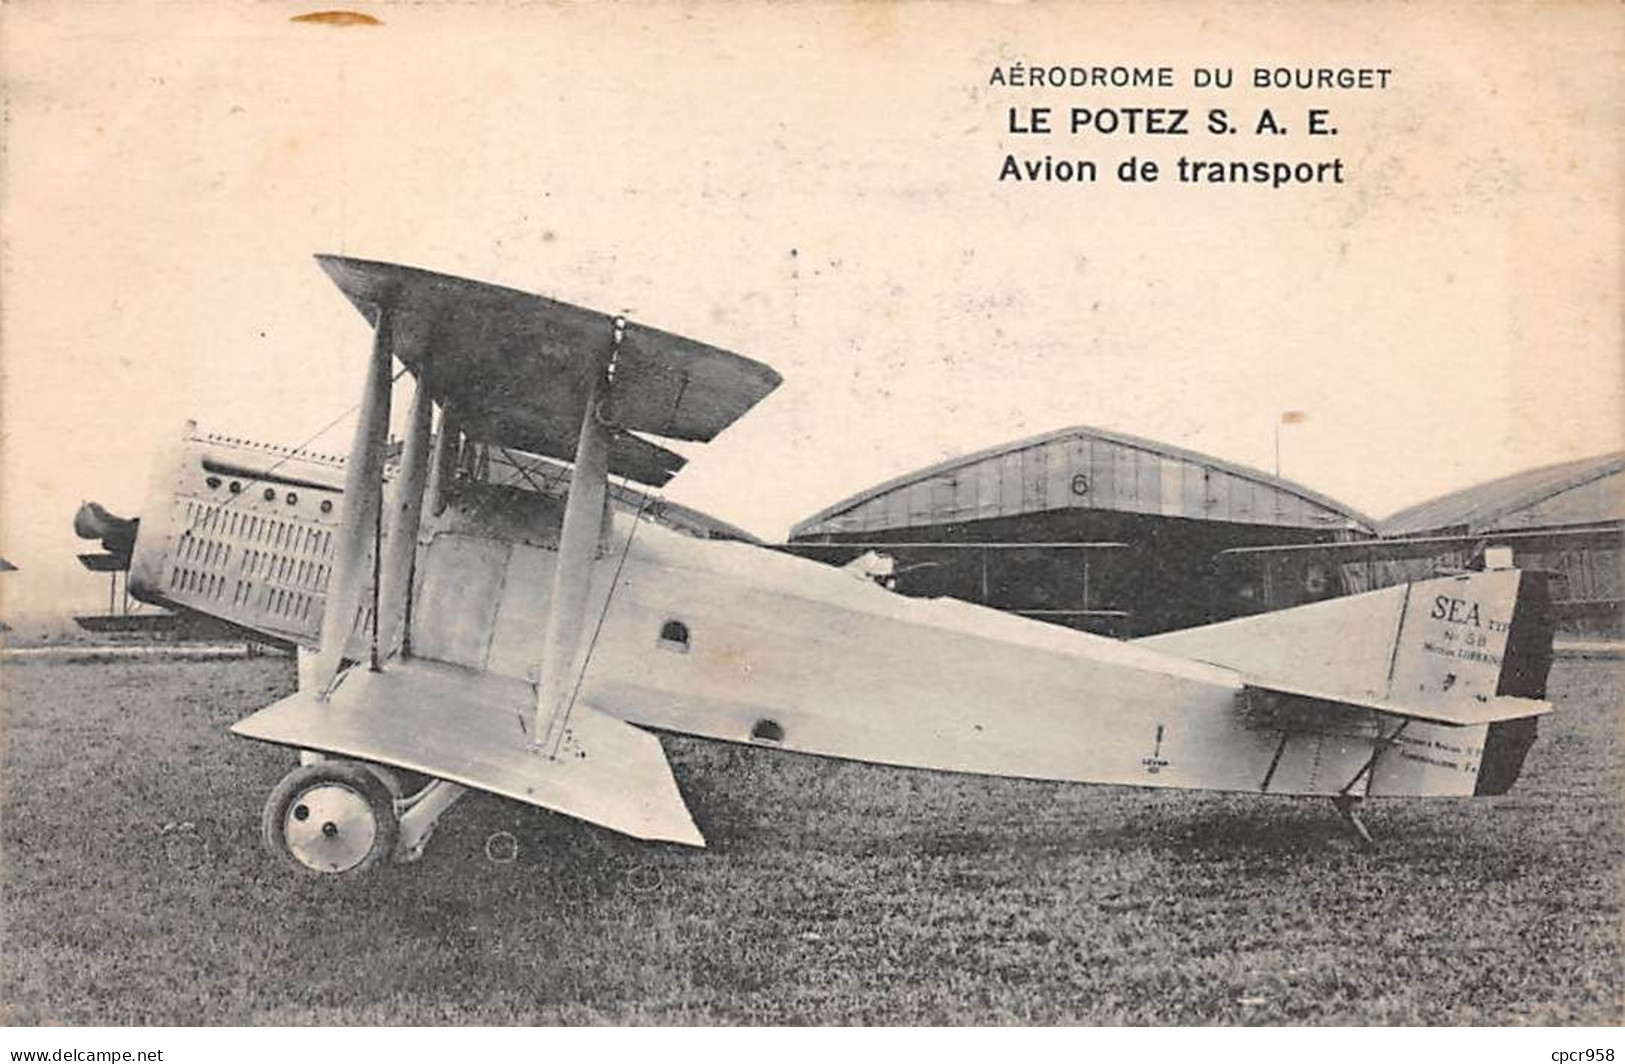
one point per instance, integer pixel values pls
(674, 635)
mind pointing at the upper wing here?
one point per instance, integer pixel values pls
(516, 367)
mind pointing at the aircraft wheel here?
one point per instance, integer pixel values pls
(331, 818)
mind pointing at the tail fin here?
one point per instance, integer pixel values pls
(1467, 651)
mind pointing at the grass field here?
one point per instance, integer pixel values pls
(136, 892)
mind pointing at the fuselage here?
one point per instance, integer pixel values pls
(735, 642)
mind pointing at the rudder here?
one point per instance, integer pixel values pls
(1525, 667)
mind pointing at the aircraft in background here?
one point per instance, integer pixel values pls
(504, 615)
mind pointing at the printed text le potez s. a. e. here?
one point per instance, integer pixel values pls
(1285, 101)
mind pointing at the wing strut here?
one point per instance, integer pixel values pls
(406, 518)
(363, 497)
(584, 516)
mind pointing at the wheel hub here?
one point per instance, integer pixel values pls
(330, 828)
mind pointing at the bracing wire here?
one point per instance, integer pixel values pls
(516, 464)
(592, 643)
(318, 434)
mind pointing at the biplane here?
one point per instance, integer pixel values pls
(504, 606)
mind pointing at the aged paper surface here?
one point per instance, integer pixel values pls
(1414, 283)
(818, 186)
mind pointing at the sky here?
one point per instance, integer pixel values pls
(817, 186)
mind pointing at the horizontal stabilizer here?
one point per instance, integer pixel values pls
(470, 728)
(1477, 710)
(517, 367)
(105, 563)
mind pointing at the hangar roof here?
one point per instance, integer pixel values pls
(1583, 492)
(1117, 472)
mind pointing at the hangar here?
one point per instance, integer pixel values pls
(1124, 536)
(1083, 526)
(1567, 519)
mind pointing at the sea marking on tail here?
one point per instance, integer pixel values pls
(1432, 650)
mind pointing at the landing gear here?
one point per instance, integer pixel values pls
(333, 817)
(330, 818)
(1348, 806)
(419, 815)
